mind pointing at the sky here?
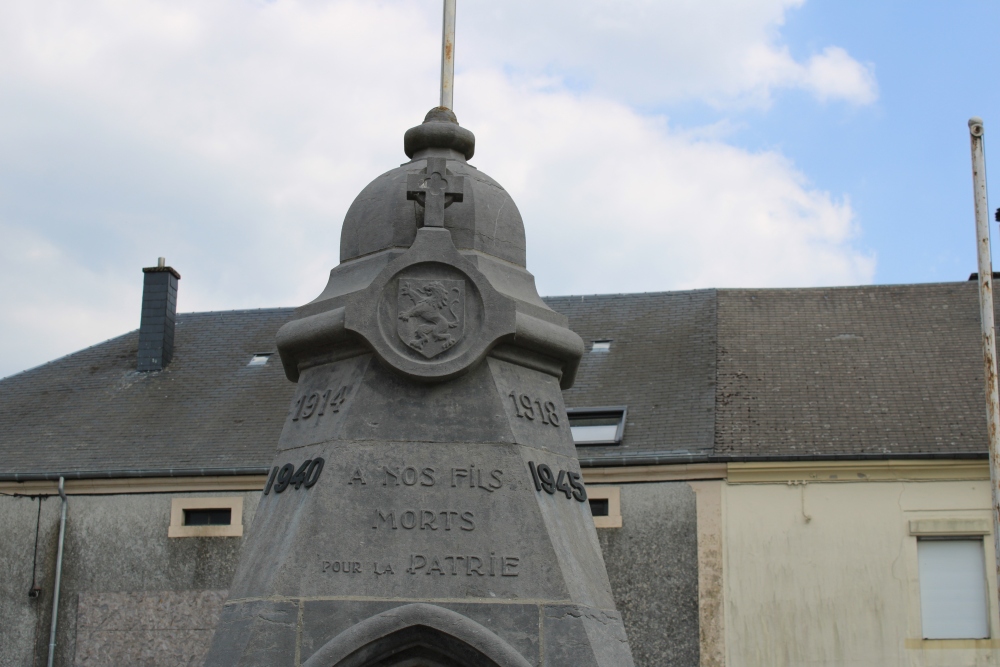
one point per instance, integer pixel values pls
(649, 145)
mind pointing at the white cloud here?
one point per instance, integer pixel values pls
(651, 52)
(231, 137)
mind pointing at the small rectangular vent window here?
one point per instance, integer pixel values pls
(601, 346)
(599, 506)
(597, 426)
(259, 359)
(222, 516)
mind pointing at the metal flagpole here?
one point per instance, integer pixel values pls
(448, 56)
(976, 133)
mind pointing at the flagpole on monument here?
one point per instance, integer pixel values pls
(976, 132)
(448, 56)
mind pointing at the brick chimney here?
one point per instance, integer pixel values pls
(159, 308)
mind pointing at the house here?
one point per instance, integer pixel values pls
(779, 477)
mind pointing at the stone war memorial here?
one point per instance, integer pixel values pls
(425, 504)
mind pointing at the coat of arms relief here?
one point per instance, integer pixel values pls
(431, 314)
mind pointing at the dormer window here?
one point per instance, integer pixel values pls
(599, 346)
(597, 426)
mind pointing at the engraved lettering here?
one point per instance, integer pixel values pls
(414, 565)
(427, 477)
(447, 518)
(389, 519)
(527, 407)
(496, 475)
(410, 476)
(451, 564)
(306, 405)
(326, 565)
(357, 477)
(456, 473)
(388, 474)
(425, 519)
(310, 405)
(387, 570)
(479, 482)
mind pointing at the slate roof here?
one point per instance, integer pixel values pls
(852, 372)
(710, 375)
(661, 365)
(92, 412)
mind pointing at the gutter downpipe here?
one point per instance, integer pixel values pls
(976, 132)
(59, 559)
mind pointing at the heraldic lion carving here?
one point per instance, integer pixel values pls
(428, 317)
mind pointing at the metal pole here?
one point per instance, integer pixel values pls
(448, 56)
(59, 558)
(976, 133)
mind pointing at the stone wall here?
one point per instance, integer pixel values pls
(115, 544)
(652, 562)
(133, 596)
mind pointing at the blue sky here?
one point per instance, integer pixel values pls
(904, 160)
(649, 146)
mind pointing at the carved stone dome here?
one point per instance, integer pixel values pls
(486, 219)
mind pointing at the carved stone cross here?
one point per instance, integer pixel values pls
(435, 189)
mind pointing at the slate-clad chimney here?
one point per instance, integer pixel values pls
(159, 308)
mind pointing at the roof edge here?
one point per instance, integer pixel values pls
(120, 474)
(648, 460)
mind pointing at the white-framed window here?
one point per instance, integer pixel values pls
(206, 517)
(953, 590)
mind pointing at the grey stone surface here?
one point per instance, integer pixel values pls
(652, 563)
(155, 629)
(436, 503)
(114, 544)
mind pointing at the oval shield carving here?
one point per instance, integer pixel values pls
(431, 314)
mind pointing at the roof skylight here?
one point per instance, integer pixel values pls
(597, 426)
(260, 359)
(601, 346)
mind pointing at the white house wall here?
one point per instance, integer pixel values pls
(825, 574)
